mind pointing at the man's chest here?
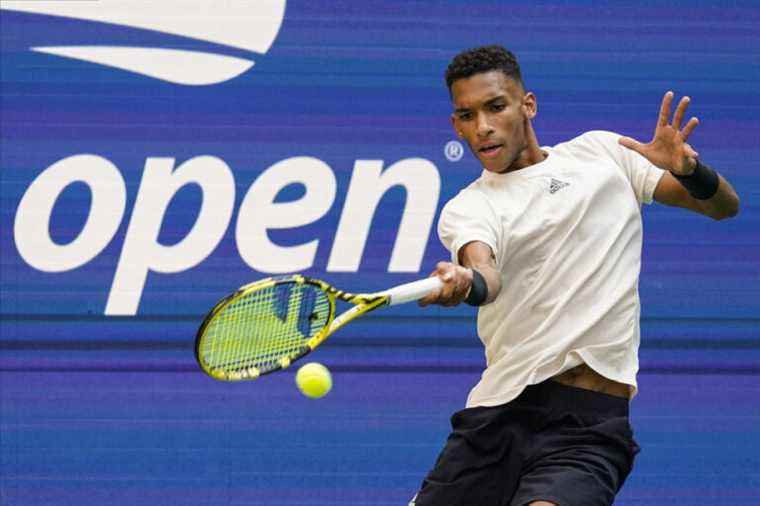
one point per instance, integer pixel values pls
(570, 205)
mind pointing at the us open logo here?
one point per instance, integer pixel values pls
(207, 44)
(241, 24)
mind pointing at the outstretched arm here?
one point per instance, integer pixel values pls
(457, 280)
(669, 151)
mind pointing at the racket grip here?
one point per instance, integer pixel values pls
(412, 291)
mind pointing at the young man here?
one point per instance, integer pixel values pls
(548, 242)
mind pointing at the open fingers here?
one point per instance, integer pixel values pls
(662, 120)
(689, 128)
(680, 110)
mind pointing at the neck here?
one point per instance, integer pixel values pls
(532, 153)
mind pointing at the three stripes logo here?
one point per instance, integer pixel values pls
(555, 185)
(238, 24)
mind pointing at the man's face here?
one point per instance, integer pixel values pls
(491, 112)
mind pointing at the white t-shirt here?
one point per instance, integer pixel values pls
(566, 234)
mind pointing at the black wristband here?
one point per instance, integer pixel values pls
(702, 183)
(478, 290)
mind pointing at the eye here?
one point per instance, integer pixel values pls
(465, 116)
(498, 107)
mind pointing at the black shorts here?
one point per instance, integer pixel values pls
(566, 445)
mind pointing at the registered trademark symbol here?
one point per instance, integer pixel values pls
(453, 151)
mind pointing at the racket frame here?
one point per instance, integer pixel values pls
(363, 303)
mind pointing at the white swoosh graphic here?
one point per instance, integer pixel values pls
(246, 24)
(173, 65)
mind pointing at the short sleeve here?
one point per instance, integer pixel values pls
(465, 218)
(642, 175)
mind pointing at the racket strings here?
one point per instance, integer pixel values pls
(265, 326)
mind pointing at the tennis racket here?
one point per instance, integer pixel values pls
(265, 326)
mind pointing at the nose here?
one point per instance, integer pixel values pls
(483, 127)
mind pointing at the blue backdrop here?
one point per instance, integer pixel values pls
(100, 399)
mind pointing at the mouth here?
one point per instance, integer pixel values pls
(490, 150)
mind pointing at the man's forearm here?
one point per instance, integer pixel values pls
(724, 204)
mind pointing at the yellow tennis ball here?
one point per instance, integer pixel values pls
(314, 380)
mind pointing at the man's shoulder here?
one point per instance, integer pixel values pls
(470, 193)
(592, 145)
(592, 138)
(472, 197)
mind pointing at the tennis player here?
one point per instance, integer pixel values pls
(547, 241)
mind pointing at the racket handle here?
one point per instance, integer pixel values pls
(412, 291)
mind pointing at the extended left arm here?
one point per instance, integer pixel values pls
(724, 204)
(687, 183)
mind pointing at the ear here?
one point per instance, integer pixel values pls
(530, 105)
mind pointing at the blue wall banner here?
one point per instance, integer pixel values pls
(156, 155)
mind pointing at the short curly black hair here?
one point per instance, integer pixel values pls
(483, 59)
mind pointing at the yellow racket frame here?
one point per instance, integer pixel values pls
(363, 303)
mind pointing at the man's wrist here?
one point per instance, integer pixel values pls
(685, 174)
(478, 292)
(702, 183)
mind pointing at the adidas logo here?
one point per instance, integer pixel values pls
(557, 185)
(237, 24)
